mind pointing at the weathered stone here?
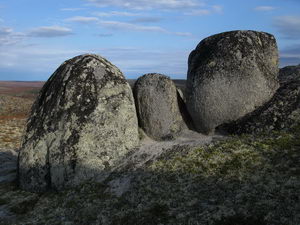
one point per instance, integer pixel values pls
(82, 123)
(282, 112)
(289, 73)
(157, 106)
(229, 75)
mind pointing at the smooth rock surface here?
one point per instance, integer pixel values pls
(158, 107)
(229, 75)
(82, 123)
(282, 112)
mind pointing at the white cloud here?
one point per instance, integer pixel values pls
(104, 35)
(50, 31)
(146, 4)
(129, 26)
(217, 8)
(5, 31)
(264, 8)
(183, 34)
(117, 25)
(9, 37)
(115, 13)
(35, 58)
(288, 26)
(72, 9)
(147, 20)
(82, 19)
(141, 18)
(129, 60)
(205, 11)
(198, 12)
(44, 60)
(290, 55)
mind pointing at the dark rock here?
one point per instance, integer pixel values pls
(289, 73)
(230, 74)
(8, 165)
(157, 106)
(82, 123)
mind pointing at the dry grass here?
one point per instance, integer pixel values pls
(11, 131)
(16, 99)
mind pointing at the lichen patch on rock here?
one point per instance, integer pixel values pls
(82, 123)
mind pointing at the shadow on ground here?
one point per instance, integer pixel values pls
(242, 181)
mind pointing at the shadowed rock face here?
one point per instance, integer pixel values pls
(289, 73)
(282, 112)
(229, 75)
(158, 107)
(82, 123)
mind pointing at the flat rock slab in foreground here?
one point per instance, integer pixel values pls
(83, 122)
(229, 75)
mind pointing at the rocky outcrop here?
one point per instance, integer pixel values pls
(282, 112)
(157, 106)
(82, 123)
(289, 73)
(229, 75)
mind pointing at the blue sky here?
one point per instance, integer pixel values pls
(138, 36)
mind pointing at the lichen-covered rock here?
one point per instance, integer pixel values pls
(157, 106)
(229, 75)
(82, 123)
(280, 113)
(289, 73)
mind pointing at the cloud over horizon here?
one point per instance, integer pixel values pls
(82, 19)
(147, 20)
(71, 9)
(117, 25)
(116, 13)
(290, 55)
(264, 8)
(50, 31)
(146, 4)
(9, 37)
(129, 26)
(288, 26)
(137, 35)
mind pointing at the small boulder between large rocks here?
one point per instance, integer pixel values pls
(158, 107)
(82, 123)
(229, 75)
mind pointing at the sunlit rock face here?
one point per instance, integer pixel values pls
(229, 75)
(82, 123)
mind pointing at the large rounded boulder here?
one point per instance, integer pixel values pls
(229, 75)
(82, 123)
(157, 106)
(282, 112)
